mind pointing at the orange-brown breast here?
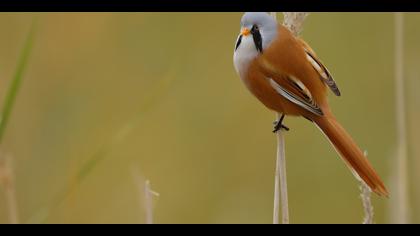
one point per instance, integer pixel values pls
(284, 57)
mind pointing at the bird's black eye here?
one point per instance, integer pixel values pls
(255, 28)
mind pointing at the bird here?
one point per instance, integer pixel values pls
(285, 74)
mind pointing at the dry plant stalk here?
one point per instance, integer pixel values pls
(365, 194)
(367, 203)
(146, 195)
(399, 208)
(7, 181)
(294, 22)
(280, 181)
(148, 202)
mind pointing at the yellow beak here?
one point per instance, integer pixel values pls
(245, 31)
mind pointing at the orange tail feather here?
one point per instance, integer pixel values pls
(351, 153)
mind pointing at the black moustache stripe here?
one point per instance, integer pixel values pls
(257, 39)
(238, 42)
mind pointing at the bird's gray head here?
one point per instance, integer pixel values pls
(260, 26)
(258, 30)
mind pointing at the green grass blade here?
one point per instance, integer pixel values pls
(16, 81)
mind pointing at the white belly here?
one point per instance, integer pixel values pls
(243, 55)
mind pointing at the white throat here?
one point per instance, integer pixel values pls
(243, 55)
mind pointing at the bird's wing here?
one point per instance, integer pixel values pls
(290, 86)
(323, 72)
(295, 91)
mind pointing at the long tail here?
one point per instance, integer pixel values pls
(351, 153)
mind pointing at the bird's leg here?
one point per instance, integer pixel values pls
(279, 125)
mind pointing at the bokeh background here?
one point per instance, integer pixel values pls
(109, 100)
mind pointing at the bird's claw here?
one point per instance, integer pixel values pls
(278, 125)
(277, 128)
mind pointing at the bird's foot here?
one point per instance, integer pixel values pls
(278, 124)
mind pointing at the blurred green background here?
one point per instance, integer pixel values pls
(111, 99)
